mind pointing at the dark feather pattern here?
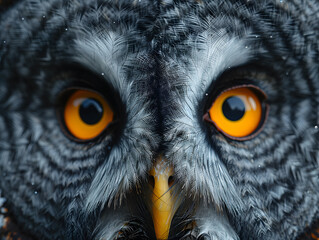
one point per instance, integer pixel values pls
(159, 64)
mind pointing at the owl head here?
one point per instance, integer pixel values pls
(159, 119)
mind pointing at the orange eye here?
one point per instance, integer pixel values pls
(87, 114)
(237, 112)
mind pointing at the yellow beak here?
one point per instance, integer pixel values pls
(163, 203)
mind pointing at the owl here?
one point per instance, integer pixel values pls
(159, 119)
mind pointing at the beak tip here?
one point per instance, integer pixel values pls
(162, 201)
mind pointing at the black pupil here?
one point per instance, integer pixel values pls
(91, 111)
(233, 108)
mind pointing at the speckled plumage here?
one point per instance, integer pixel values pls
(160, 63)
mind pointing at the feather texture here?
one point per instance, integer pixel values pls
(160, 65)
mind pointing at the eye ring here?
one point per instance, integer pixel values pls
(259, 94)
(84, 114)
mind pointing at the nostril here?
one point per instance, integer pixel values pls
(171, 181)
(151, 181)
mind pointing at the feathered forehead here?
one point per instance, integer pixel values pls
(295, 4)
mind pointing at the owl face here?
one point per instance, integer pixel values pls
(159, 119)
